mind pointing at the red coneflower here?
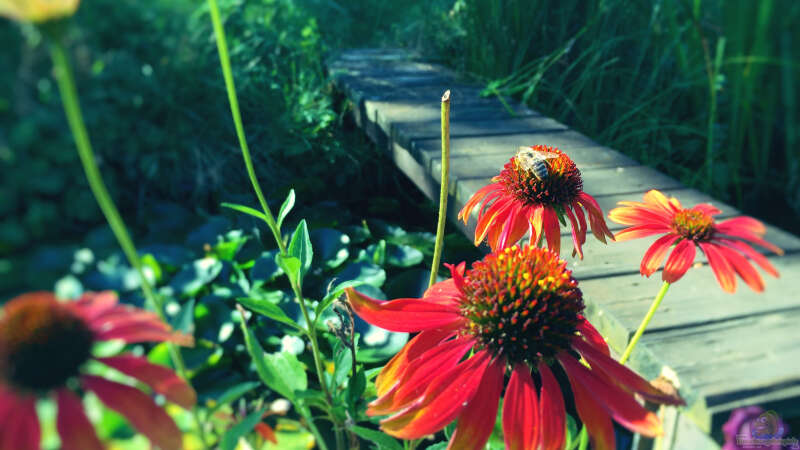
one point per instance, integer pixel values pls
(44, 347)
(724, 244)
(518, 201)
(518, 309)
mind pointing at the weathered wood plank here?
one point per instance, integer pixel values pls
(694, 300)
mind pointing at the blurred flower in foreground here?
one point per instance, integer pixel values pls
(517, 309)
(44, 347)
(724, 244)
(37, 11)
(752, 427)
(535, 194)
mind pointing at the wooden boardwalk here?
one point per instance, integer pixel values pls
(723, 351)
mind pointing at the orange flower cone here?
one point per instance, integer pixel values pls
(518, 202)
(44, 346)
(518, 311)
(725, 244)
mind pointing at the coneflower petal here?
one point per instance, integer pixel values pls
(742, 267)
(679, 261)
(552, 413)
(473, 428)
(74, 428)
(140, 410)
(521, 420)
(20, 424)
(590, 333)
(443, 400)
(655, 255)
(592, 414)
(722, 269)
(161, 379)
(621, 405)
(758, 258)
(417, 346)
(402, 315)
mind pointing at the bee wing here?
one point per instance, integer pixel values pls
(545, 155)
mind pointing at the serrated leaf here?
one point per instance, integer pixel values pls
(231, 437)
(384, 441)
(246, 209)
(268, 309)
(300, 247)
(286, 207)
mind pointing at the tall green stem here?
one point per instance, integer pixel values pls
(647, 318)
(72, 109)
(233, 100)
(224, 59)
(444, 188)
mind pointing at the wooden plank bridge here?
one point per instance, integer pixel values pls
(723, 351)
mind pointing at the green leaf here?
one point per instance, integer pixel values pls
(363, 271)
(233, 393)
(268, 309)
(290, 265)
(356, 386)
(403, 256)
(265, 269)
(384, 441)
(231, 437)
(246, 210)
(290, 370)
(184, 319)
(331, 246)
(300, 246)
(286, 207)
(264, 370)
(148, 260)
(192, 278)
(378, 252)
(228, 246)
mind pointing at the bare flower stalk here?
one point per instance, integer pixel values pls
(443, 189)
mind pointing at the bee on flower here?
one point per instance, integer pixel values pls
(45, 346)
(539, 187)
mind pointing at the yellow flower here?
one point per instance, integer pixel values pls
(37, 11)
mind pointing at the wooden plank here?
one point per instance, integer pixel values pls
(476, 157)
(407, 132)
(694, 300)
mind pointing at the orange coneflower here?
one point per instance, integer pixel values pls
(520, 200)
(517, 310)
(44, 347)
(725, 244)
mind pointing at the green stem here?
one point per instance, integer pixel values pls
(642, 326)
(233, 100)
(444, 187)
(227, 73)
(72, 109)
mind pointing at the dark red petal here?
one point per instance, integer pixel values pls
(402, 315)
(596, 218)
(516, 225)
(457, 274)
(492, 218)
(621, 405)
(74, 428)
(521, 411)
(590, 333)
(742, 267)
(592, 414)
(614, 372)
(654, 255)
(137, 332)
(443, 400)
(759, 259)
(552, 411)
(679, 261)
(722, 269)
(747, 236)
(581, 221)
(140, 410)
(421, 343)
(19, 429)
(92, 304)
(748, 224)
(576, 240)
(476, 423)
(161, 379)
(474, 200)
(552, 229)
(414, 380)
